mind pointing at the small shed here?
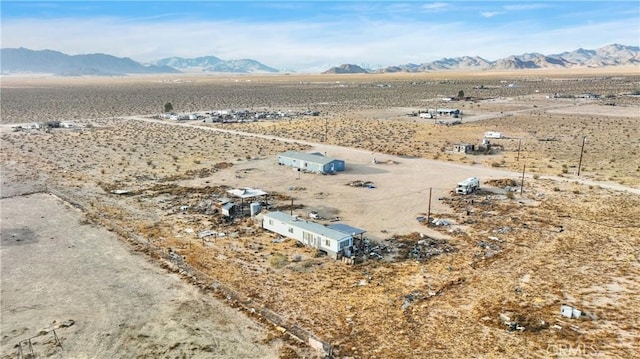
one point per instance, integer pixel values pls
(311, 162)
(464, 148)
(334, 243)
(248, 193)
(226, 207)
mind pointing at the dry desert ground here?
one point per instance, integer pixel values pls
(101, 221)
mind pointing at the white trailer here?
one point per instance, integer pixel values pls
(467, 186)
(492, 134)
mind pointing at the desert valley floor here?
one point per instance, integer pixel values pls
(105, 240)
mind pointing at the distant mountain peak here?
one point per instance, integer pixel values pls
(216, 64)
(346, 69)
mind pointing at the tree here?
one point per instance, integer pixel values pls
(168, 107)
(460, 94)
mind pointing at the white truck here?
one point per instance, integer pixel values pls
(468, 186)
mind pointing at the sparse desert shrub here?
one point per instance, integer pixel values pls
(278, 260)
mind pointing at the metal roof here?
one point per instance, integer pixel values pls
(313, 227)
(309, 157)
(246, 192)
(345, 228)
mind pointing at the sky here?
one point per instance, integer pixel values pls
(309, 36)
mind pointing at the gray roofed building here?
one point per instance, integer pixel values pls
(311, 162)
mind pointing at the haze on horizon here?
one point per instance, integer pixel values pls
(315, 35)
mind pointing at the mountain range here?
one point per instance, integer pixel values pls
(53, 62)
(610, 55)
(21, 60)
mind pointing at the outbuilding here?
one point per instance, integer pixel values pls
(464, 148)
(333, 242)
(311, 162)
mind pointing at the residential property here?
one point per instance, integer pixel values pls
(311, 162)
(464, 148)
(453, 112)
(250, 197)
(331, 241)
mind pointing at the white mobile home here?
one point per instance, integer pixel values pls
(334, 243)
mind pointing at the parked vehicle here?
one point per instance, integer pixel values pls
(467, 186)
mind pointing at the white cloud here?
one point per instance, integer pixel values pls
(522, 7)
(490, 14)
(435, 6)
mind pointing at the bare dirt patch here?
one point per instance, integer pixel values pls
(57, 267)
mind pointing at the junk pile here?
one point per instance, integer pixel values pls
(489, 248)
(360, 183)
(366, 248)
(518, 322)
(510, 185)
(419, 247)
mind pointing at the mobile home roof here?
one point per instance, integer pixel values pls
(309, 157)
(308, 226)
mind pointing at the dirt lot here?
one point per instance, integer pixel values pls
(428, 290)
(58, 267)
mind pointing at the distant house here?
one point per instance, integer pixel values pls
(464, 148)
(588, 95)
(333, 242)
(492, 134)
(311, 162)
(453, 112)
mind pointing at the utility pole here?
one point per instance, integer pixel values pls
(584, 138)
(291, 207)
(519, 142)
(429, 210)
(522, 183)
(326, 129)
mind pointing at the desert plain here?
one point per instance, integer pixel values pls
(101, 221)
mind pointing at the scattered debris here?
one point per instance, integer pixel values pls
(502, 183)
(517, 322)
(410, 298)
(360, 183)
(490, 249)
(502, 230)
(419, 247)
(575, 313)
(370, 249)
(209, 233)
(440, 222)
